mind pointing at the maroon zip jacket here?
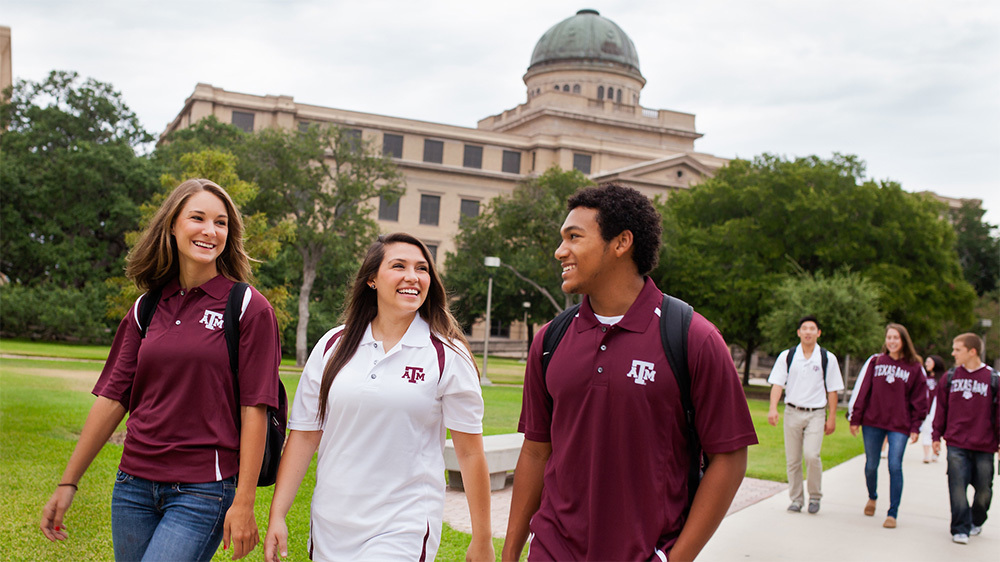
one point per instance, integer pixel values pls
(893, 396)
(966, 417)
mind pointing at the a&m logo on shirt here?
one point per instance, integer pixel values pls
(413, 374)
(211, 320)
(642, 371)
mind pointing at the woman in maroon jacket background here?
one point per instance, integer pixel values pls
(891, 403)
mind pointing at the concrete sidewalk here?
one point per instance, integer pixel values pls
(841, 532)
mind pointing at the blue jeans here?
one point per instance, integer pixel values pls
(873, 447)
(167, 520)
(966, 467)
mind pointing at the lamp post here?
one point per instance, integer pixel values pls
(986, 323)
(490, 262)
(527, 342)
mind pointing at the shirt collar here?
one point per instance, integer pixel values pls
(637, 319)
(218, 287)
(418, 334)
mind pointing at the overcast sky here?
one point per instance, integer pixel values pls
(911, 86)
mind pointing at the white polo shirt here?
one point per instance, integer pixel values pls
(380, 476)
(804, 385)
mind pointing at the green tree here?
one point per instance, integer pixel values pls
(732, 240)
(324, 179)
(71, 179)
(845, 303)
(978, 249)
(523, 231)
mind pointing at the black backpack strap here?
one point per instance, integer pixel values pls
(231, 327)
(789, 357)
(147, 307)
(825, 360)
(554, 334)
(675, 320)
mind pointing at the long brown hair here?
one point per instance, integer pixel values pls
(909, 352)
(363, 308)
(153, 261)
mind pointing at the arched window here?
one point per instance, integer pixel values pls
(600, 92)
(576, 88)
(565, 87)
(611, 93)
(618, 99)
(557, 87)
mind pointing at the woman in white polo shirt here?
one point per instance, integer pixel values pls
(375, 398)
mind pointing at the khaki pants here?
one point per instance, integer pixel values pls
(804, 439)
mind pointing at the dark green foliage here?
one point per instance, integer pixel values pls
(523, 231)
(845, 303)
(48, 311)
(70, 179)
(978, 249)
(732, 240)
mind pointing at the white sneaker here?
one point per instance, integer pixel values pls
(976, 531)
(960, 538)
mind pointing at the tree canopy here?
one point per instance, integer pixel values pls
(72, 177)
(978, 249)
(732, 240)
(523, 231)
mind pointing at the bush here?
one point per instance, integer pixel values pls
(50, 312)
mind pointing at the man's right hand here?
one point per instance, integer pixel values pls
(772, 416)
(936, 445)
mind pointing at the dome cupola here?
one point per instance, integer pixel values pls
(586, 39)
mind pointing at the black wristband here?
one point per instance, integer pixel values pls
(75, 488)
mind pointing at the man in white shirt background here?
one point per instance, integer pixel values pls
(810, 379)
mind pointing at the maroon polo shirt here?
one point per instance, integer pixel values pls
(966, 416)
(893, 396)
(178, 387)
(615, 487)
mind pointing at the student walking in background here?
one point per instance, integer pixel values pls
(968, 418)
(188, 433)
(891, 403)
(810, 377)
(934, 367)
(375, 398)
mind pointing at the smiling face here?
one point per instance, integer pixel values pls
(808, 332)
(893, 342)
(929, 365)
(403, 279)
(200, 231)
(583, 253)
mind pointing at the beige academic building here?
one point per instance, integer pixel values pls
(582, 111)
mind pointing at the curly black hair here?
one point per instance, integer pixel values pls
(620, 208)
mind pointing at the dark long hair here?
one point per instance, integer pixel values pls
(363, 308)
(909, 352)
(153, 260)
(938, 369)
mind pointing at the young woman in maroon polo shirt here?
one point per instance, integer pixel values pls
(188, 435)
(892, 403)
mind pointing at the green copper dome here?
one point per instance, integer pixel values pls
(586, 37)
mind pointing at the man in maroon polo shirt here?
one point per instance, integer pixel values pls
(602, 473)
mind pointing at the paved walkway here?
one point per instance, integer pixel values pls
(759, 528)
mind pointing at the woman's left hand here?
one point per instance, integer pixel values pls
(241, 528)
(481, 549)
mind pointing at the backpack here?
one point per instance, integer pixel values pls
(675, 320)
(823, 359)
(994, 382)
(277, 418)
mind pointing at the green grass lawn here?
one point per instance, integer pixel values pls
(44, 402)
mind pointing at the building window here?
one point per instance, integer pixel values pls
(618, 96)
(582, 162)
(473, 156)
(353, 139)
(303, 126)
(243, 120)
(470, 208)
(433, 249)
(499, 329)
(433, 151)
(430, 209)
(557, 87)
(511, 162)
(600, 92)
(565, 87)
(388, 211)
(392, 145)
(576, 88)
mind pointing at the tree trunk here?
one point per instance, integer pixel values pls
(310, 260)
(750, 348)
